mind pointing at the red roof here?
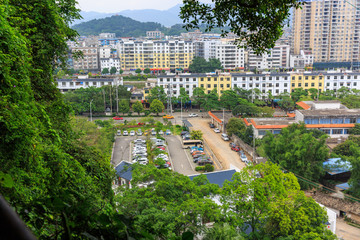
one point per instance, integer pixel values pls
(246, 122)
(215, 117)
(291, 115)
(303, 105)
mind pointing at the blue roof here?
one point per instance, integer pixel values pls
(336, 166)
(217, 177)
(124, 170)
(344, 186)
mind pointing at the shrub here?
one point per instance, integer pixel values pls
(208, 168)
(200, 168)
(147, 112)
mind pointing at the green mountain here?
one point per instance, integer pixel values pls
(120, 25)
(127, 27)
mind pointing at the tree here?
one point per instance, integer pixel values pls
(200, 65)
(260, 24)
(113, 70)
(196, 135)
(124, 106)
(298, 93)
(158, 93)
(297, 151)
(199, 96)
(229, 99)
(255, 202)
(169, 206)
(138, 71)
(286, 104)
(121, 71)
(235, 126)
(246, 110)
(138, 107)
(243, 93)
(105, 71)
(313, 93)
(147, 71)
(156, 106)
(211, 100)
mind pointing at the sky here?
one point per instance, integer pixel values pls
(112, 6)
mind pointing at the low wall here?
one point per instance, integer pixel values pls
(248, 149)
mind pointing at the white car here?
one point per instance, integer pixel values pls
(193, 115)
(161, 132)
(139, 141)
(125, 133)
(216, 130)
(132, 133)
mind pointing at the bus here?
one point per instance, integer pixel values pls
(191, 143)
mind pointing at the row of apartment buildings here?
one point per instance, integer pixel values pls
(130, 54)
(275, 83)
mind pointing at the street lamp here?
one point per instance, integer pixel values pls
(90, 110)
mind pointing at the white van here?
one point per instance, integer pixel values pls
(225, 137)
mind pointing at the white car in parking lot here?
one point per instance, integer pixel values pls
(125, 133)
(216, 130)
(132, 133)
(139, 141)
(193, 115)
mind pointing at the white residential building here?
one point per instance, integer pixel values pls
(89, 62)
(173, 83)
(276, 83)
(278, 57)
(77, 83)
(109, 63)
(334, 80)
(230, 55)
(305, 59)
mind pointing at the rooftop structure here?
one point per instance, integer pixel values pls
(218, 178)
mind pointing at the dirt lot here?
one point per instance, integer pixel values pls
(220, 148)
(345, 231)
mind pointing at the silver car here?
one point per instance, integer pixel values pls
(125, 133)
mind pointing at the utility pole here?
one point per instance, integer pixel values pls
(223, 120)
(181, 109)
(104, 100)
(110, 90)
(117, 100)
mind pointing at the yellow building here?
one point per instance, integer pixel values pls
(307, 81)
(221, 82)
(156, 55)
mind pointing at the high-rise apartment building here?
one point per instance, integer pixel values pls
(277, 57)
(329, 28)
(156, 55)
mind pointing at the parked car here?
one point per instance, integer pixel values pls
(153, 132)
(117, 118)
(196, 148)
(243, 157)
(161, 132)
(118, 132)
(139, 140)
(205, 161)
(168, 117)
(193, 115)
(201, 158)
(125, 133)
(186, 137)
(235, 148)
(225, 137)
(139, 132)
(132, 133)
(184, 133)
(161, 147)
(216, 130)
(199, 155)
(232, 144)
(211, 125)
(168, 132)
(196, 152)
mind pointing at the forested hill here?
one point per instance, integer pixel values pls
(120, 25)
(127, 27)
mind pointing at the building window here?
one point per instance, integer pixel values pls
(337, 131)
(228, 85)
(299, 84)
(285, 84)
(209, 85)
(293, 84)
(243, 85)
(299, 77)
(221, 79)
(215, 85)
(350, 120)
(276, 131)
(306, 84)
(337, 121)
(262, 132)
(346, 131)
(221, 85)
(312, 84)
(235, 85)
(306, 78)
(326, 131)
(202, 85)
(325, 120)
(209, 79)
(311, 121)
(63, 84)
(202, 79)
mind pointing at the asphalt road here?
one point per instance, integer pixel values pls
(180, 161)
(121, 149)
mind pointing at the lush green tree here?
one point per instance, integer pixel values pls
(158, 93)
(184, 96)
(298, 93)
(138, 71)
(266, 111)
(354, 181)
(355, 130)
(200, 65)
(230, 99)
(243, 93)
(105, 71)
(196, 134)
(113, 70)
(199, 96)
(260, 24)
(170, 205)
(313, 93)
(235, 126)
(147, 70)
(124, 106)
(223, 231)
(156, 106)
(297, 151)
(121, 71)
(271, 203)
(286, 104)
(246, 110)
(351, 101)
(211, 100)
(138, 107)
